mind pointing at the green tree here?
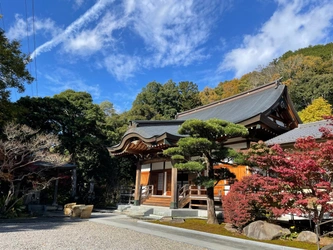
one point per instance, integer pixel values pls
(189, 96)
(115, 127)
(205, 141)
(80, 125)
(13, 74)
(209, 95)
(323, 51)
(13, 63)
(107, 108)
(145, 105)
(168, 100)
(163, 101)
(316, 111)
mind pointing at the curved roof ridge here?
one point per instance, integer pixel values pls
(234, 97)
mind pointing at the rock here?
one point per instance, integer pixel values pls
(230, 228)
(166, 219)
(177, 220)
(170, 219)
(263, 230)
(307, 236)
(328, 247)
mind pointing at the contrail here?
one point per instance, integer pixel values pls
(93, 13)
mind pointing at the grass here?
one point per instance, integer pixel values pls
(201, 225)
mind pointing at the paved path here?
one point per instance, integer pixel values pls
(200, 239)
(111, 231)
(76, 234)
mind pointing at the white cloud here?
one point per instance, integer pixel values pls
(84, 43)
(24, 27)
(90, 41)
(78, 3)
(295, 24)
(129, 6)
(90, 15)
(173, 31)
(167, 33)
(62, 79)
(121, 66)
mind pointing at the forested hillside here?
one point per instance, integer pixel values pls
(308, 72)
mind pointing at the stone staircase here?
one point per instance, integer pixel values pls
(162, 201)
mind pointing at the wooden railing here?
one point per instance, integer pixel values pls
(183, 196)
(126, 194)
(197, 190)
(146, 191)
(187, 194)
(183, 191)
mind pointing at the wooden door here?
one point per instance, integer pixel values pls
(160, 183)
(157, 180)
(153, 181)
(168, 185)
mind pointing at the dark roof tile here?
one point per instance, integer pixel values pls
(303, 130)
(240, 107)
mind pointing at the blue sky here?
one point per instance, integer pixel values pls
(112, 49)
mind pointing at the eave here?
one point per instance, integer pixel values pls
(134, 143)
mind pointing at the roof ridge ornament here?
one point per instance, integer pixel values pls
(278, 82)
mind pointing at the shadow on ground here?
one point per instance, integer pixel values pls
(50, 220)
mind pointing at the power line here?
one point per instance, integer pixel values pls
(28, 41)
(34, 31)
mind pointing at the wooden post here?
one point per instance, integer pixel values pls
(55, 195)
(73, 193)
(174, 191)
(137, 192)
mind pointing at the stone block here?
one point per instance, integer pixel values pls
(263, 230)
(86, 211)
(307, 236)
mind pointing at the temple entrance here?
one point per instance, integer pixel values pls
(161, 180)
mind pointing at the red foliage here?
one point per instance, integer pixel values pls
(237, 210)
(303, 175)
(252, 197)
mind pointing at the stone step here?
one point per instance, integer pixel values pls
(158, 201)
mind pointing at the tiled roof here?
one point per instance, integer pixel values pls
(150, 129)
(151, 133)
(237, 109)
(303, 130)
(240, 107)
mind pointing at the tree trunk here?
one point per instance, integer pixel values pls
(8, 198)
(211, 215)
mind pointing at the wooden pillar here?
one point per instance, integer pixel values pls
(73, 193)
(55, 195)
(137, 192)
(174, 191)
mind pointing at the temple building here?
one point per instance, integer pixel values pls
(266, 112)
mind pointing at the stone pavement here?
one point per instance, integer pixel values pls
(201, 239)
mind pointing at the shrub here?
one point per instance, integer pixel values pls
(237, 210)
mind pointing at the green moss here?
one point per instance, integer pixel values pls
(201, 225)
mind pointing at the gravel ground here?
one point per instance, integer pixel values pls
(79, 235)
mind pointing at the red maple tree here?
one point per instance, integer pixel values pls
(304, 173)
(297, 180)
